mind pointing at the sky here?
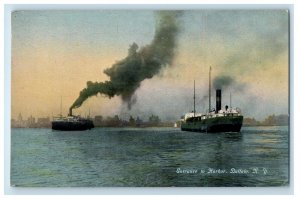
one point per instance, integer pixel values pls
(55, 53)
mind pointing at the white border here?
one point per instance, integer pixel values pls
(178, 191)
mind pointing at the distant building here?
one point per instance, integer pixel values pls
(250, 122)
(98, 120)
(154, 120)
(112, 121)
(31, 122)
(282, 120)
(131, 121)
(271, 120)
(138, 122)
(276, 120)
(43, 122)
(20, 123)
(20, 118)
(13, 122)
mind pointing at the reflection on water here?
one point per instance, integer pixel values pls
(149, 157)
(233, 137)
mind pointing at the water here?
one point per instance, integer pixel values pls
(152, 157)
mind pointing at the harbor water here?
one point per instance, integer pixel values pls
(149, 157)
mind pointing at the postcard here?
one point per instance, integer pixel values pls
(150, 98)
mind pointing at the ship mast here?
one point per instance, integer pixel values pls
(209, 91)
(230, 100)
(194, 99)
(60, 106)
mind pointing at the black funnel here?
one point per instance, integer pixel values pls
(218, 100)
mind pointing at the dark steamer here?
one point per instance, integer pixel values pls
(227, 120)
(72, 123)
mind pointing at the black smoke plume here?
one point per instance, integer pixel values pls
(223, 82)
(140, 64)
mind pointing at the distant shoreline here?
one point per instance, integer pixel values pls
(247, 125)
(146, 127)
(153, 121)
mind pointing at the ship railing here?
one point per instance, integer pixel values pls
(58, 118)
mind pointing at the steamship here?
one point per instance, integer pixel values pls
(215, 120)
(71, 123)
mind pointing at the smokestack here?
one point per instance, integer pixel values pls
(70, 112)
(218, 100)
